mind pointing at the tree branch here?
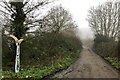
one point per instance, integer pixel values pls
(8, 6)
(35, 7)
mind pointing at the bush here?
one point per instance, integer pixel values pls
(101, 38)
(105, 46)
(7, 55)
(108, 49)
(119, 48)
(44, 55)
(41, 50)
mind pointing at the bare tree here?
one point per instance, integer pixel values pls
(20, 16)
(57, 19)
(105, 19)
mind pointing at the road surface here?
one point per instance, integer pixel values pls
(89, 65)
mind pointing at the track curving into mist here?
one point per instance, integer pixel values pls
(89, 65)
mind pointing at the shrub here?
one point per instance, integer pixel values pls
(106, 49)
(41, 50)
(105, 46)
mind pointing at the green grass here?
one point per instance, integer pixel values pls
(40, 72)
(114, 61)
(42, 56)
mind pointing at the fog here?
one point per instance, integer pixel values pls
(79, 11)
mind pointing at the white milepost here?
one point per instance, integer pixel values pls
(17, 59)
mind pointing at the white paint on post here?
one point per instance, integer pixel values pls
(17, 60)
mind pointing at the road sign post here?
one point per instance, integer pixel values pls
(17, 59)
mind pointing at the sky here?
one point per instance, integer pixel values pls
(79, 10)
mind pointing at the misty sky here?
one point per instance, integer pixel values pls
(79, 10)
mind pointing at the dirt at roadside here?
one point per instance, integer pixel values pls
(89, 65)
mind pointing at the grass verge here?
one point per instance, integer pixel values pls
(115, 62)
(40, 72)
